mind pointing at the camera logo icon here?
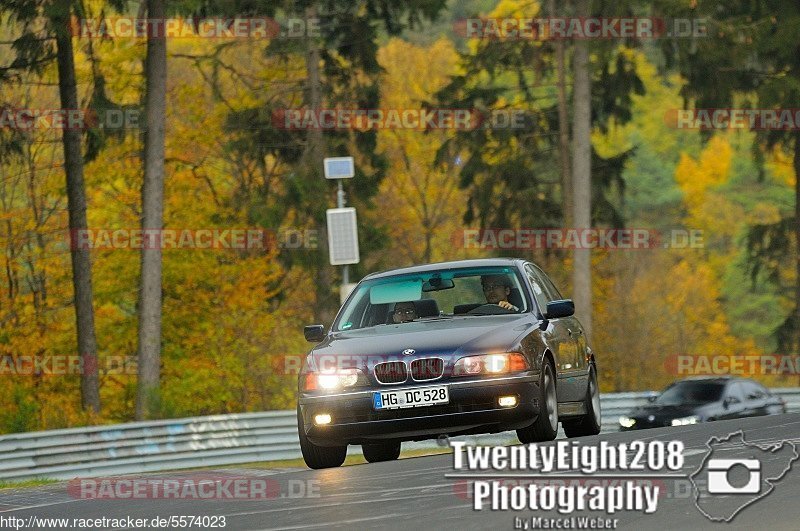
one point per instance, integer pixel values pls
(718, 482)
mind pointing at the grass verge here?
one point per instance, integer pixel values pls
(26, 483)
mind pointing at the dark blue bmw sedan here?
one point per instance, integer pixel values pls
(474, 346)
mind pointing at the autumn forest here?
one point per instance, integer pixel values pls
(190, 133)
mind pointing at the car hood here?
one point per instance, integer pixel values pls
(442, 337)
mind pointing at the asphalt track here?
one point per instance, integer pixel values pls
(414, 493)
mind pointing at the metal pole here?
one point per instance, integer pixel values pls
(340, 204)
(340, 195)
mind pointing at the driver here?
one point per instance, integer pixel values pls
(404, 312)
(496, 289)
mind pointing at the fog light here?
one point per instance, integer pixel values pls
(507, 401)
(694, 419)
(321, 420)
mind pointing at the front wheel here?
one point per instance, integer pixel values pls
(545, 427)
(386, 451)
(317, 457)
(590, 423)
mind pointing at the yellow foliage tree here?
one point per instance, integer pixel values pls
(419, 203)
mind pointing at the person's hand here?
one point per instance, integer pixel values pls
(507, 305)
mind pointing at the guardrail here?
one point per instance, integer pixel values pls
(216, 440)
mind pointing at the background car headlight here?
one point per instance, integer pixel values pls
(626, 422)
(330, 380)
(490, 364)
(693, 419)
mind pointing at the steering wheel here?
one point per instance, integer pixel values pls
(490, 309)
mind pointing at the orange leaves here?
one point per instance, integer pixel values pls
(225, 313)
(700, 180)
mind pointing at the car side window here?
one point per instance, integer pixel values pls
(550, 289)
(538, 289)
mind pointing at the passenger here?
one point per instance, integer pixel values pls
(404, 312)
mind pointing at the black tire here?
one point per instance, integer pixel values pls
(317, 457)
(545, 428)
(385, 451)
(590, 423)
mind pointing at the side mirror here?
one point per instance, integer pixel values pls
(652, 398)
(562, 308)
(314, 333)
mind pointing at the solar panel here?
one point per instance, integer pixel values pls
(342, 236)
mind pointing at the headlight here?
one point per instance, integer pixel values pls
(490, 364)
(627, 422)
(330, 380)
(693, 419)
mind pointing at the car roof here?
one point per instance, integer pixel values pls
(455, 264)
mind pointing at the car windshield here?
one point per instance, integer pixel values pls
(690, 393)
(439, 294)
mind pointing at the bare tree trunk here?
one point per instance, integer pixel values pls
(582, 173)
(563, 125)
(428, 253)
(326, 300)
(148, 399)
(796, 323)
(76, 198)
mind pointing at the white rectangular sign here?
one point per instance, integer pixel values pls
(339, 167)
(342, 236)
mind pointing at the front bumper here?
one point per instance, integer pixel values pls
(472, 408)
(646, 424)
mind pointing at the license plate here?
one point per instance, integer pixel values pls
(416, 397)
